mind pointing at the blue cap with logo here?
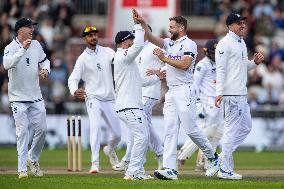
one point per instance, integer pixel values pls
(122, 36)
(24, 22)
(234, 18)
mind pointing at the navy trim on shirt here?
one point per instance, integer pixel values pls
(42, 60)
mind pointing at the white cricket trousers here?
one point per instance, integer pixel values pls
(237, 126)
(155, 141)
(27, 114)
(136, 123)
(211, 125)
(180, 109)
(100, 113)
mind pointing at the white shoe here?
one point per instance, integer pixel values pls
(213, 167)
(113, 159)
(23, 174)
(160, 162)
(94, 169)
(121, 166)
(35, 168)
(166, 174)
(140, 176)
(225, 175)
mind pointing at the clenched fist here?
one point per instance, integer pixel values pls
(43, 73)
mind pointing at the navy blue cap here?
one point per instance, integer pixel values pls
(24, 22)
(122, 36)
(234, 18)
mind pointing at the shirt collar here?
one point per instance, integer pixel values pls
(235, 36)
(212, 62)
(91, 51)
(180, 39)
(18, 42)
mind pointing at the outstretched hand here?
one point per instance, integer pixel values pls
(258, 58)
(158, 52)
(152, 72)
(159, 73)
(137, 18)
(43, 73)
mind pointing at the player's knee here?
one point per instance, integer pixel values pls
(42, 131)
(192, 133)
(144, 140)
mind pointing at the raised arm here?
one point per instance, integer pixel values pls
(153, 39)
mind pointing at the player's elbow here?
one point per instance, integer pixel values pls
(6, 64)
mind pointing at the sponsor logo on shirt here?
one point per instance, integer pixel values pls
(174, 57)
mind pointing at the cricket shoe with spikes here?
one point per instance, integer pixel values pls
(35, 168)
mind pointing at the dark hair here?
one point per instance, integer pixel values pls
(180, 20)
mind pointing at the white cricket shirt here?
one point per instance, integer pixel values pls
(128, 84)
(205, 77)
(232, 65)
(94, 68)
(176, 50)
(23, 69)
(147, 60)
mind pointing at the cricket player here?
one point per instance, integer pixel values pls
(93, 66)
(180, 99)
(209, 117)
(128, 86)
(232, 65)
(151, 92)
(26, 63)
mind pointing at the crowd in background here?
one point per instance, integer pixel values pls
(265, 21)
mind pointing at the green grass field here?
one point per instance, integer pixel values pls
(260, 170)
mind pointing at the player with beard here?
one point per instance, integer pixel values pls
(179, 107)
(93, 66)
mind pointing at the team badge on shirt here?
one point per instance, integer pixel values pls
(28, 61)
(99, 67)
(198, 68)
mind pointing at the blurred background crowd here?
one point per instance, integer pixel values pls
(59, 34)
